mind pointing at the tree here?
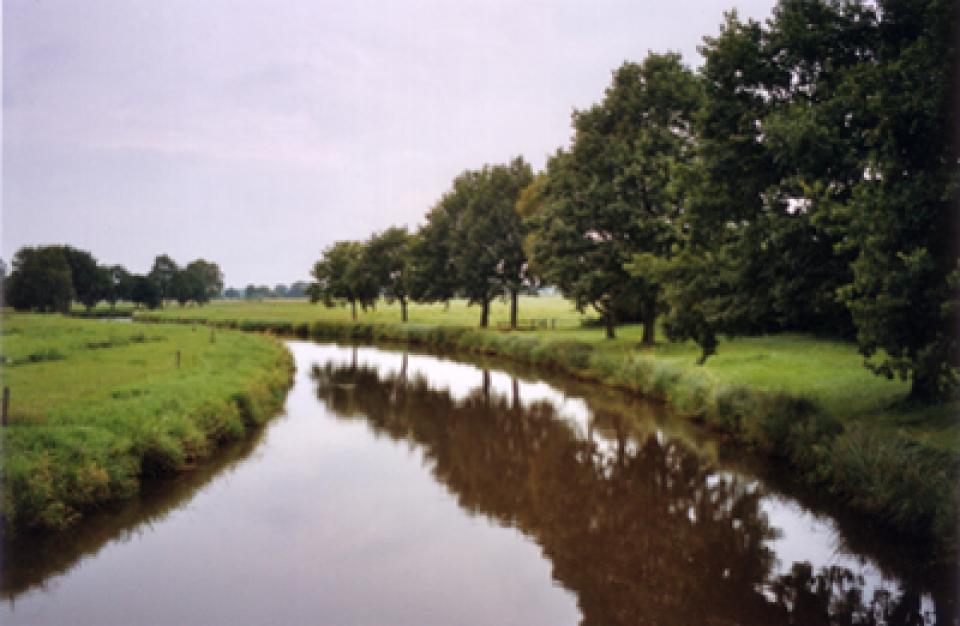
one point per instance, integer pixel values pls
(339, 276)
(298, 289)
(906, 276)
(41, 280)
(144, 291)
(386, 258)
(781, 143)
(433, 273)
(120, 284)
(472, 242)
(206, 279)
(256, 292)
(90, 284)
(697, 284)
(185, 286)
(162, 274)
(612, 195)
(490, 259)
(532, 204)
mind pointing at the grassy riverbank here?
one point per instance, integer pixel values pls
(808, 402)
(97, 405)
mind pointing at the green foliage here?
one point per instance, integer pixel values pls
(472, 242)
(91, 283)
(144, 291)
(777, 155)
(207, 280)
(163, 274)
(906, 285)
(613, 194)
(491, 260)
(199, 281)
(340, 275)
(696, 287)
(433, 276)
(48, 278)
(386, 258)
(41, 280)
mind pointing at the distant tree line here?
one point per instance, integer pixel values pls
(298, 289)
(50, 278)
(805, 178)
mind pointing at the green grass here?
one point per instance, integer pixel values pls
(95, 405)
(103, 310)
(457, 314)
(828, 373)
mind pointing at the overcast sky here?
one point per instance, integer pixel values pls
(255, 133)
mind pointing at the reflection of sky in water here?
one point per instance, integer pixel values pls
(321, 516)
(803, 536)
(461, 379)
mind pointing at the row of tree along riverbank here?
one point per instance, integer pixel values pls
(904, 484)
(97, 407)
(803, 179)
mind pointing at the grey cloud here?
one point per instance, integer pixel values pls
(255, 133)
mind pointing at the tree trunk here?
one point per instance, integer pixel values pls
(649, 322)
(486, 385)
(484, 313)
(514, 297)
(923, 388)
(353, 310)
(403, 309)
(608, 316)
(708, 346)
(621, 443)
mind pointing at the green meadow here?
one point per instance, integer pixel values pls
(827, 372)
(97, 405)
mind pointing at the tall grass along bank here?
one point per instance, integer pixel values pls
(96, 406)
(804, 402)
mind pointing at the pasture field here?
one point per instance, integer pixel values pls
(828, 372)
(95, 405)
(458, 313)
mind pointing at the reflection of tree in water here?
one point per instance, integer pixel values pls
(638, 528)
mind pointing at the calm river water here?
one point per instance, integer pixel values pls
(407, 489)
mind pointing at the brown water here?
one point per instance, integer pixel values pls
(407, 489)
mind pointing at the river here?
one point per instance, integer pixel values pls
(401, 488)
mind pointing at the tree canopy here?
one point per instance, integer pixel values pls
(613, 194)
(804, 179)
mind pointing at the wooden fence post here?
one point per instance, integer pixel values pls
(178, 359)
(6, 404)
